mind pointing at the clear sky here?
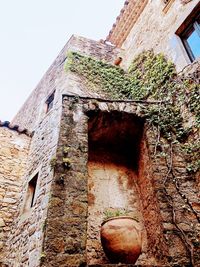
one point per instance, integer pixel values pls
(32, 32)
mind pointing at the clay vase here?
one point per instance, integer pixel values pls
(121, 239)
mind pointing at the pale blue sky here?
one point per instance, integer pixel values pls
(32, 34)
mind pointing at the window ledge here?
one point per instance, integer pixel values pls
(168, 5)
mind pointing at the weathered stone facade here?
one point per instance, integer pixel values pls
(156, 29)
(26, 242)
(78, 193)
(90, 153)
(13, 156)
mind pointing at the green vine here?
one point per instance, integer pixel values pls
(192, 155)
(152, 77)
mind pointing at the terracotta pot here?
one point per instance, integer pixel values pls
(121, 239)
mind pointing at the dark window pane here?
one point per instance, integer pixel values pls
(49, 102)
(32, 188)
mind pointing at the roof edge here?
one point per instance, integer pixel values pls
(16, 128)
(128, 16)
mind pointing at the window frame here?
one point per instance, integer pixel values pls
(31, 194)
(193, 26)
(32, 186)
(183, 29)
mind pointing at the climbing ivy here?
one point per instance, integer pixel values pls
(149, 77)
(99, 75)
(153, 79)
(146, 74)
(192, 155)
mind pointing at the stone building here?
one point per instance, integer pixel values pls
(73, 151)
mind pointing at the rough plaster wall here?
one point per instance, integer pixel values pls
(13, 156)
(111, 186)
(156, 30)
(57, 79)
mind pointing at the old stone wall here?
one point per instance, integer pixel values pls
(55, 231)
(65, 231)
(13, 156)
(155, 29)
(168, 201)
(168, 194)
(26, 238)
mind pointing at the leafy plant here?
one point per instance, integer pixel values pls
(109, 213)
(167, 96)
(150, 76)
(66, 162)
(53, 162)
(114, 213)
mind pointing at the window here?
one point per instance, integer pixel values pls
(49, 102)
(30, 194)
(32, 187)
(189, 32)
(191, 39)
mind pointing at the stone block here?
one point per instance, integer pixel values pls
(2, 223)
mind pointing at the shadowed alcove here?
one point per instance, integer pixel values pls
(113, 165)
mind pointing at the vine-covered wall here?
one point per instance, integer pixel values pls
(150, 77)
(170, 105)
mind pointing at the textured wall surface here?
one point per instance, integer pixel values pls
(26, 238)
(13, 156)
(178, 200)
(155, 29)
(171, 223)
(54, 231)
(56, 78)
(66, 224)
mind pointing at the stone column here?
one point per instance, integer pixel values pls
(66, 224)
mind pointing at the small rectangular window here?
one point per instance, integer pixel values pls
(49, 102)
(32, 187)
(30, 194)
